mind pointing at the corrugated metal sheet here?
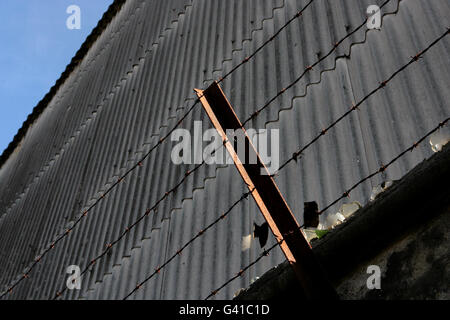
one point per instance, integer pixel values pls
(134, 83)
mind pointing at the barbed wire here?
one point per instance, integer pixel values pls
(297, 15)
(382, 169)
(310, 68)
(245, 60)
(103, 196)
(163, 139)
(139, 163)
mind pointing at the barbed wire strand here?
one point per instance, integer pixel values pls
(346, 194)
(187, 244)
(309, 68)
(355, 107)
(382, 85)
(336, 45)
(265, 253)
(383, 168)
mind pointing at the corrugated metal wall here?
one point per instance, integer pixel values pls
(137, 80)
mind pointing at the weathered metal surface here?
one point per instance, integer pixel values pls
(134, 83)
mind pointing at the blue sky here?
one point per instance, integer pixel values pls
(36, 47)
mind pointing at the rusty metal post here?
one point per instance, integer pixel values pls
(268, 197)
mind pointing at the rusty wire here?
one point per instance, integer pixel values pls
(91, 207)
(336, 45)
(266, 252)
(281, 92)
(296, 16)
(383, 168)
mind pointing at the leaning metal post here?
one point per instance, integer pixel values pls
(268, 197)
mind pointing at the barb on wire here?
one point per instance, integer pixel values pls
(199, 234)
(309, 68)
(382, 85)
